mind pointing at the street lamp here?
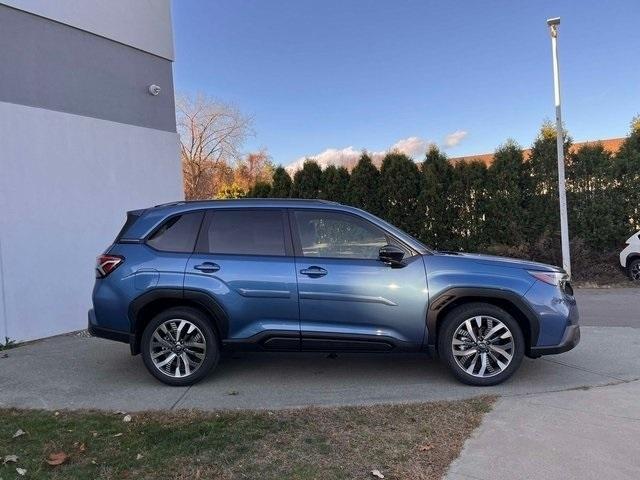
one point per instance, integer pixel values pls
(562, 190)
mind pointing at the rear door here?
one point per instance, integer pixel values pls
(349, 300)
(244, 259)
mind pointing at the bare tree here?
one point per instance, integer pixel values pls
(211, 136)
(254, 167)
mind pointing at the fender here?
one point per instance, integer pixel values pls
(192, 296)
(450, 295)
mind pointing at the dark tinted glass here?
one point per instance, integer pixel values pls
(178, 234)
(246, 232)
(337, 235)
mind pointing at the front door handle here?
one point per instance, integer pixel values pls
(208, 267)
(314, 272)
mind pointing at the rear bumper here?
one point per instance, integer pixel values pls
(570, 339)
(97, 331)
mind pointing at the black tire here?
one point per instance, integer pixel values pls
(211, 355)
(456, 318)
(633, 270)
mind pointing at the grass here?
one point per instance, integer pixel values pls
(402, 441)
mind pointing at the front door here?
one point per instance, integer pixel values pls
(244, 260)
(349, 300)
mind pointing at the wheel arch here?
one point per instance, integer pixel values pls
(631, 257)
(149, 304)
(509, 301)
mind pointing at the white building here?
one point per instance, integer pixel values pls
(82, 140)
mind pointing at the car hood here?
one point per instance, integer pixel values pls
(503, 261)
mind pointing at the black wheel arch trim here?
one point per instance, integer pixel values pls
(446, 297)
(195, 296)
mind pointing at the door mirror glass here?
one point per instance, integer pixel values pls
(391, 255)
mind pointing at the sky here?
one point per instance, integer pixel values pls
(329, 78)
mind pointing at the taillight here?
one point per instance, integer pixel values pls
(105, 264)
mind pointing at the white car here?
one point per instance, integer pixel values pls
(630, 257)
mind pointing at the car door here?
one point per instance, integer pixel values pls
(244, 260)
(349, 299)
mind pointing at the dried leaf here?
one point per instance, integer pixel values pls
(118, 434)
(10, 459)
(377, 473)
(19, 433)
(126, 418)
(139, 456)
(57, 458)
(426, 447)
(21, 471)
(82, 447)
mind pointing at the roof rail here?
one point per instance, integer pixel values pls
(307, 200)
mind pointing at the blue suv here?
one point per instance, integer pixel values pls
(184, 281)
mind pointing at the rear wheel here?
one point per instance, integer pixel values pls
(481, 343)
(179, 346)
(634, 270)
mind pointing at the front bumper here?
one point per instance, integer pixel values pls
(570, 339)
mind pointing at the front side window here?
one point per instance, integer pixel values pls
(178, 234)
(337, 235)
(244, 232)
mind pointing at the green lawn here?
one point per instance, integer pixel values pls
(407, 441)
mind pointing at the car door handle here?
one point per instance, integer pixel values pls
(208, 267)
(314, 271)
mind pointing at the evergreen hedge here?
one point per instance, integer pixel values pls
(510, 207)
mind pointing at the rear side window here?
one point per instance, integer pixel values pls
(244, 232)
(178, 234)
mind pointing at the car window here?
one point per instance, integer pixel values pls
(337, 235)
(178, 234)
(245, 232)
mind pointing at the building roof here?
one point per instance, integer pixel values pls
(610, 145)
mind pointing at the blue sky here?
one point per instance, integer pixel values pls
(334, 74)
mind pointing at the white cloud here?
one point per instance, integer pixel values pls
(453, 139)
(347, 157)
(414, 147)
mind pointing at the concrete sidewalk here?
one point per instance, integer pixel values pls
(577, 434)
(76, 372)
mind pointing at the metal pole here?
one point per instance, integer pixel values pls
(562, 191)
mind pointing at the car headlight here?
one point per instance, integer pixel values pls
(552, 278)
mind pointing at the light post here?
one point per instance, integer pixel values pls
(562, 191)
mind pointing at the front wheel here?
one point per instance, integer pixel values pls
(481, 343)
(179, 346)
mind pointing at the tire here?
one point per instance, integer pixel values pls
(197, 354)
(489, 357)
(634, 270)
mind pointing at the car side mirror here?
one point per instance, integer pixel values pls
(391, 255)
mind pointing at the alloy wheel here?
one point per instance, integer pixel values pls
(177, 348)
(635, 271)
(483, 346)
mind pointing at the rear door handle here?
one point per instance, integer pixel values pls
(208, 267)
(314, 272)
